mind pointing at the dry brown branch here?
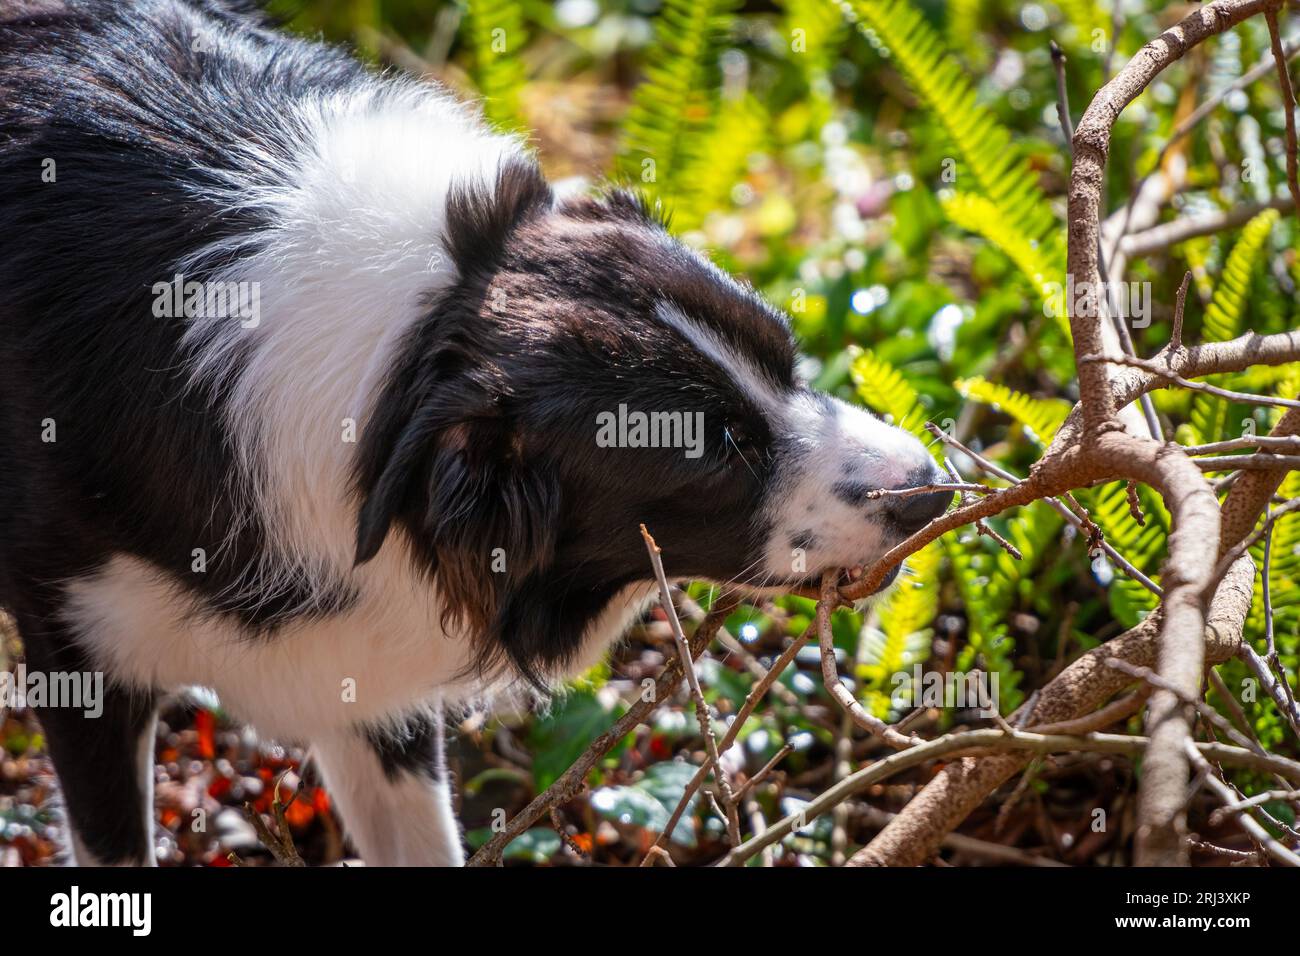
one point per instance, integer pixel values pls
(1268, 796)
(980, 849)
(1078, 520)
(1267, 442)
(1205, 710)
(1261, 462)
(1091, 145)
(572, 780)
(962, 487)
(1225, 793)
(1154, 367)
(1272, 685)
(754, 781)
(993, 739)
(915, 834)
(731, 814)
(1120, 709)
(1161, 237)
(280, 840)
(830, 673)
(756, 694)
(1270, 642)
(1185, 126)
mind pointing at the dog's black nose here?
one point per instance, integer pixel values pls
(914, 512)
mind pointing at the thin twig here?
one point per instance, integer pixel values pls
(752, 699)
(1062, 96)
(1288, 101)
(1147, 365)
(1245, 544)
(1225, 793)
(1267, 442)
(956, 485)
(830, 673)
(1209, 713)
(1078, 522)
(279, 841)
(981, 526)
(768, 767)
(1270, 640)
(693, 682)
(1161, 237)
(572, 780)
(1261, 462)
(1180, 304)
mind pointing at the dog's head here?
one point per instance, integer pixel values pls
(588, 373)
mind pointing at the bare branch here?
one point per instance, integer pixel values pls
(571, 781)
(1288, 100)
(1154, 367)
(693, 682)
(989, 739)
(1161, 237)
(830, 673)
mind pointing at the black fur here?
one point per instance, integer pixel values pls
(416, 749)
(131, 115)
(478, 444)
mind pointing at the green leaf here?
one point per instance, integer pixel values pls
(1041, 417)
(990, 164)
(883, 387)
(675, 102)
(497, 35)
(562, 735)
(649, 802)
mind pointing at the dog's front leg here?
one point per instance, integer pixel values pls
(393, 793)
(102, 746)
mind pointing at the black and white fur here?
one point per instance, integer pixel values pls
(420, 279)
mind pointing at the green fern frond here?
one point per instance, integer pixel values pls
(883, 387)
(988, 643)
(992, 585)
(910, 607)
(496, 32)
(1041, 417)
(984, 146)
(1038, 260)
(963, 26)
(1141, 545)
(1224, 313)
(1209, 414)
(903, 637)
(675, 101)
(739, 132)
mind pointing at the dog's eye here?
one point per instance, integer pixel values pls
(738, 441)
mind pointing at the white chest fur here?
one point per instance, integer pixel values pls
(385, 657)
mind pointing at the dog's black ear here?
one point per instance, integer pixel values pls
(387, 474)
(482, 513)
(540, 625)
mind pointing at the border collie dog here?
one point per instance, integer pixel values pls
(308, 384)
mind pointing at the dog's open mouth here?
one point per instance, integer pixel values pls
(847, 576)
